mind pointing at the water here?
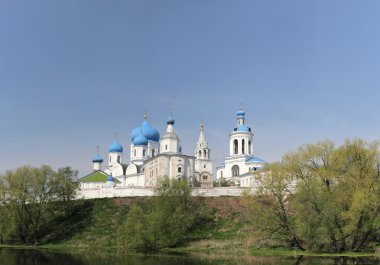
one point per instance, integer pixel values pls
(44, 257)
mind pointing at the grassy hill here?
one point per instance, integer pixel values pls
(95, 224)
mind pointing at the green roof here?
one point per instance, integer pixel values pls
(96, 176)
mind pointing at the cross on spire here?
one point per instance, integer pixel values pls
(145, 113)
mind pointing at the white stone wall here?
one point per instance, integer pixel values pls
(110, 192)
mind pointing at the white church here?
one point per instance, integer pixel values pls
(238, 167)
(153, 157)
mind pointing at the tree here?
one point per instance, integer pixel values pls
(336, 200)
(270, 208)
(163, 220)
(27, 196)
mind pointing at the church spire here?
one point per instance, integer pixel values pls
(202, 139)
(202, 151)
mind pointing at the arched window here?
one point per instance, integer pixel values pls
(205, 153)
(144, 152)
(235, 171)
(243, 146)
(134, 152)
(235, 146)
(249, 146)
(200, 153)
(118, 159)
(153, 153)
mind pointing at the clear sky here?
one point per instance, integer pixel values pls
(74, 72)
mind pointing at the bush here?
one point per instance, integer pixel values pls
(164, 220)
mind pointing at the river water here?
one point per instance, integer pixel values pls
(43, 257)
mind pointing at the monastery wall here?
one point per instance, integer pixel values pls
(110, 192)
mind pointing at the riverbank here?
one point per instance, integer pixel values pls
(97, 223)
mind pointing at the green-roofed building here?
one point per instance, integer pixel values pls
(98, 177)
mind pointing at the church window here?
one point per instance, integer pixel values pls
(152, 153)
(235, 146)
(204, 166)
(205, 153)
(235, 171)
(118, 159)
(243, 146)
(110, 158)
(144, 152)
(134, 152)
(204, 177)
(179, 169)
(249, 147)
(166, 147)
(200, 153)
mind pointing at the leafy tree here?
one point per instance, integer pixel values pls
(28, 194)
(335, 201)
(272, 215)
(164, 220)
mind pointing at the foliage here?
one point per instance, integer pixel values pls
(220, 183)
(164, 220)
(321, 197)
(27, 196)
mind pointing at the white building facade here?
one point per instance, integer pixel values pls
(240, 162)
(151, 158)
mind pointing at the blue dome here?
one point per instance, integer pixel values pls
(110, 178)
(255, 159)
(240, 113)
(149, 132)
(140, 140)
(170, 120)
(97, 159)
(115, 147)
(242, 128)
(135, 132)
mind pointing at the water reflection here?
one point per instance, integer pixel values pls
(33, 257)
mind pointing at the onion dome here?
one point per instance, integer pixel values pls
(146, 130)
(115, 147)
(140, 140)
(97, 159)
(149, 132)
(170, 120)
(110, 178)
(135, 132)
(240, 113)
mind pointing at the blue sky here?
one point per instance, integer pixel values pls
(72, 73)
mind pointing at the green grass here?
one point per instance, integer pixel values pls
(96, 226)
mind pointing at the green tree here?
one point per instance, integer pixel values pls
(28, 194)
(271, 211)
(163, 220)
(335, 201)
